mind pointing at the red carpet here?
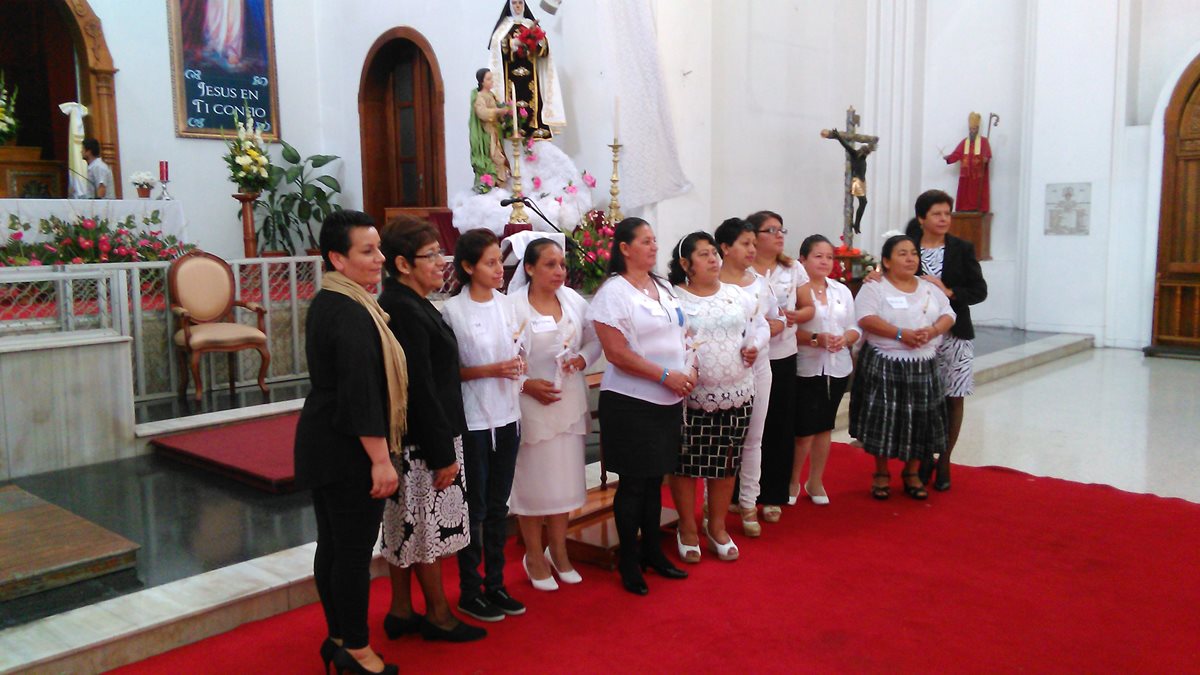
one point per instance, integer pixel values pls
(1006, 572)
(258, 452)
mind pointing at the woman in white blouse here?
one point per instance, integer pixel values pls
(549, 480)
(736, 241)
(489, 343)
(823, 365)
(717, 412)
(897, 409)
(641, 328)
(784, 275)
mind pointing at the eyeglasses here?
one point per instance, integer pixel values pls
(773, 230)
(432, 256)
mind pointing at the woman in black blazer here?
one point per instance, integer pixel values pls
(949, 263)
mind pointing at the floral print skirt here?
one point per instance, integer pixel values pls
(421, 524)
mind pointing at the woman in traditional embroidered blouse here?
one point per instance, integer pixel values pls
(550, 481)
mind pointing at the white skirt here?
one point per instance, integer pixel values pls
(549, 476)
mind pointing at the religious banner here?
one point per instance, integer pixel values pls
(222, 65)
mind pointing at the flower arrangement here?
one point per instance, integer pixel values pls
(851, 263)
(531, 41)
(587, 263)
(8, 118)
(143, 179)
(89, 240)
(249, 165)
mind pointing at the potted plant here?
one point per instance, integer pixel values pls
(293, 197)
(144, 182)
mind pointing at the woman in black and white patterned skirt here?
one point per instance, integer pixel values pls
(897, 408)
(949, 263)
(723, 327)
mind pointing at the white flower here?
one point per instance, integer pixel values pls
(262, 172)
(242, 160)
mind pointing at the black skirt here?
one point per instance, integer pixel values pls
(817, 401)
(639, 438)
(712, 441)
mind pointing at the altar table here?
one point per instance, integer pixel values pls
(33, 210)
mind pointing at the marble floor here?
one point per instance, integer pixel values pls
(1110, 416)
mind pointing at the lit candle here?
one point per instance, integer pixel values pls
(163, 173)
(616, 119)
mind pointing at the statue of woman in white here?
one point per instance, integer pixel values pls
(523, 67)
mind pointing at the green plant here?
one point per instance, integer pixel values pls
(88, 240)
(293, 197)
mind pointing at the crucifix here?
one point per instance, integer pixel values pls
(856, 172)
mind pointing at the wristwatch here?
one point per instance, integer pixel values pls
(813, 341)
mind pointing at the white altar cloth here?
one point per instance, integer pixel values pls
(33, 210)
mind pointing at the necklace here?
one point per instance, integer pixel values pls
(643, 286)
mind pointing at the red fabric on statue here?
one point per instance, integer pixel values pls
(973, 191)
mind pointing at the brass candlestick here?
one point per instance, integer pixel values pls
(518, 209)
(614, 206)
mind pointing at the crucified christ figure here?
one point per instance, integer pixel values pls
(856, 160)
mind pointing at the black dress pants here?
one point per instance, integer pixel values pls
(347, 528)
(638, 506)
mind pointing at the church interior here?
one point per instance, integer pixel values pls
(143, 528)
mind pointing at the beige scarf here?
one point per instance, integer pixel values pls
(394, 362)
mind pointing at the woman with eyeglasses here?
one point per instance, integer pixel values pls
(784, 276)
(426, 521)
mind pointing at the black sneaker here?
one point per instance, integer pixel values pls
(504, 602)
(462, 632)
(479, 608)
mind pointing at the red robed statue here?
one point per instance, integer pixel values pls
(975, 154)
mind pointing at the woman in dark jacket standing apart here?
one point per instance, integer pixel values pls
(353, 419)
(949, 263)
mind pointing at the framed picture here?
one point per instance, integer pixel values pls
(222, 64)
(1068, 209)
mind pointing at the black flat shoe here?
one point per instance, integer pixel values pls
(395, 626)
(633, 581)
(345, 662)
(462, 632)
(665, 569)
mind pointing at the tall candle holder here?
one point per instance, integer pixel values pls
(518, 209)
(164, 195)
(614, 206)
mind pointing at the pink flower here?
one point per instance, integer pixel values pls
(121, 250)
(143, 243)
(529, 145)
(85, 244)
(589, 179)
(65, 242)
(591, 256)
(558, 199)
(587, 239)
(104, 246)
(122, 231)
(524, 111)
(537, 183)
(76, 260)
(18, 236)
(488, 180)
(155, 233)
(103, 258)
(531, 157)
(170, 251)
(571, 189)
(51, 248)
(604, 253)
(88, 224)
(157, 246)
(34, 262)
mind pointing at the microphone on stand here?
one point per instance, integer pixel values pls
(511, 200)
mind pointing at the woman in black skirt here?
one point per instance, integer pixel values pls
(641, 328)
(897, 409)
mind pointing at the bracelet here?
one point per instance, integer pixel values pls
(899, 334)
(664, 376)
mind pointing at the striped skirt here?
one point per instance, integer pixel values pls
(897, 408)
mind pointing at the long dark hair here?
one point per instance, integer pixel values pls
(533, 252)
(729, 230)
(479, 75)
(812, 240)
(683, 251)
(758, 219)
(505, 13)
(623, 234)
(469, 249)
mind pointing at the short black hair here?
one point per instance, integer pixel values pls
(469, 249)
(403, 236)
(729, 230)
(335, 232)
(92, 145)
(810, 241)
(930, 198)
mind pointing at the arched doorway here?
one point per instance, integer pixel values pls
(71, 24)
(400, 101)
(1177, 274)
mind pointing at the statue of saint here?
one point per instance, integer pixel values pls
(975, 155)
(487, 148)
(857, 158)
(523, 70)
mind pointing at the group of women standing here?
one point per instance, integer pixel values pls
(730, 370)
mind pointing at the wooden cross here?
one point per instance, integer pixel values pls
(851, 135)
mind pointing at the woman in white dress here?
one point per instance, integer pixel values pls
(717, 411)
(736, 241)
(549, 481)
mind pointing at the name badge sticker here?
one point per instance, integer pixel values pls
(543, 324)
(897, 301)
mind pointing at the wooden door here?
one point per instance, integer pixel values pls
(400, 106)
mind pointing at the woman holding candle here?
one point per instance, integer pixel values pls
(736, 241)
(549, 481)
(489, 346)
(641, 327)
(897, 408)
(823, 364)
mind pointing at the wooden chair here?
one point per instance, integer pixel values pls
(201, 287)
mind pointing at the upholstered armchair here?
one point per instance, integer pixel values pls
(201, 287)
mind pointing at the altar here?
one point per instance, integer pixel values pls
(174, 222)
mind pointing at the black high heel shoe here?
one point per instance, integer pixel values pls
(943, 476)
(328, 649)
(345, 662)
(395, 626)
(632, 580)
(664, 568)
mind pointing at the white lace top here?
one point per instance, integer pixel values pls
(717, 325)
(654, 330)
(784, 280)
(487, 332)
(918, 309)
(834, 317)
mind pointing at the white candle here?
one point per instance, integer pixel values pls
(512, 96)
(616, 119)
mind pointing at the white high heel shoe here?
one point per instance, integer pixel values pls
(685, 550)
(547, 584)
(819, 500)
(792, 497)
(571, 577)
(727, 552)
